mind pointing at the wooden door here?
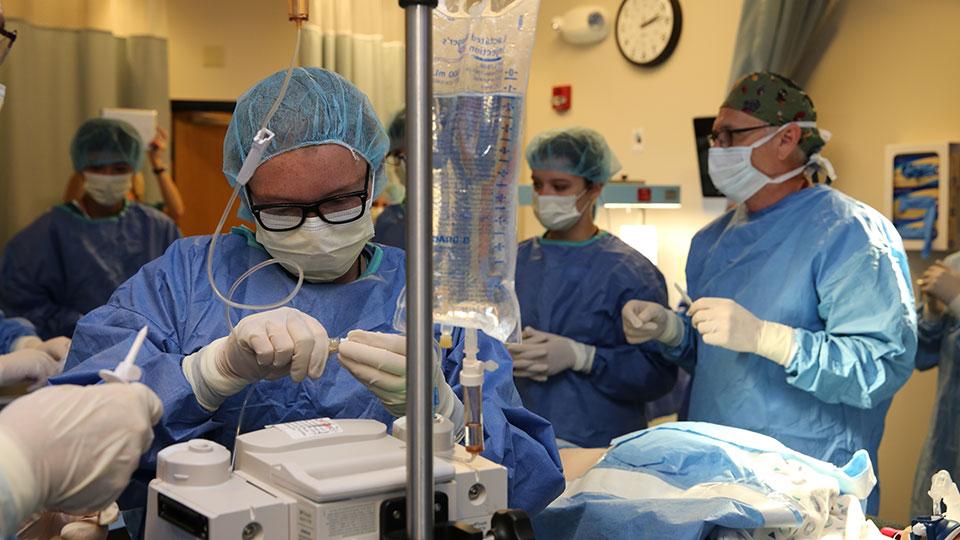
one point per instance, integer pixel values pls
(197, 167)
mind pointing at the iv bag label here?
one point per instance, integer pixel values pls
(306, 429)
(351, 520)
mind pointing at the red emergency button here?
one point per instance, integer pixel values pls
(644, 194)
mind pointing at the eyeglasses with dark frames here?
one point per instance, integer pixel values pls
(7, 37)
(336, 210)
(724, 137)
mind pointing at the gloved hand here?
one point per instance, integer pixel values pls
(943, 284)
(379, 361)
(61, 526)
(28, 366)
(643, 321)
(543, 355)
(73, 448)
(267, 345)
(57, 347)
(725, 323)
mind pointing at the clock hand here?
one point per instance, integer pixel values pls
(644, 24)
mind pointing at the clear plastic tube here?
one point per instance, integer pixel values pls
(228, 298)
(473, 418)
(471, 379)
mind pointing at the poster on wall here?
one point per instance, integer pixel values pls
(921, 192)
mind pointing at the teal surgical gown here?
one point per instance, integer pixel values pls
(65, 264)
(939, 346)
(577, 290)
(835, 270)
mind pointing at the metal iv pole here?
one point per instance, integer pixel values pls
(419, 142)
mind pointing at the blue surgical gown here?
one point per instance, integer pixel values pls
(835, 270)
(172, 296)
(12, 329)
(391, 226)
(577, 290)
(64, 264)
(939, 345)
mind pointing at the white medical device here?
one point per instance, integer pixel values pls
(314, 480)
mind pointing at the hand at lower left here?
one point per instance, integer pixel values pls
(57, 347)
(542, 355)
(725, 323)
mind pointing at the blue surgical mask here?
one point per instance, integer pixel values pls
(734, 174)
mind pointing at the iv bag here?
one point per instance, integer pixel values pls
(481, 64)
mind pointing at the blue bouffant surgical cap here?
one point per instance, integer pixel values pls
(105, 141)
(577, 150)
(320, 107)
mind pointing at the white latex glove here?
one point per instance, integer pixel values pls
(267, 345)
(379, 361)
(60, 526)
(643, 321)
(57, 347)
(543, 355)
(725, 323)
(73, 448)
(942, 283)
(30, 366)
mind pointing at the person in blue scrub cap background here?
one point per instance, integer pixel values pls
(391, 226)
(574, 366)
(310, 198)
(802, 326)
(939, 345)
(72, 258)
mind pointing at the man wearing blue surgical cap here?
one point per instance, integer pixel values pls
(310, 197)
(72, 258)
(575, 367)
(802, 326)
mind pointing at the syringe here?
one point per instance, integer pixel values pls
(126, 371)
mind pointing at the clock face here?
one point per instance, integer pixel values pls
(648, 30)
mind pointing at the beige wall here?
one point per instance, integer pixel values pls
(614, 97)
(254, 35)
(882, 80)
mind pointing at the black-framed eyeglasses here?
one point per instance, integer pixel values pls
(7, 37)
(724, 137)
(336, 210)
(395, 159)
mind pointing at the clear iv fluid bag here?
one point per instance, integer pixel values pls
(481, 65)
(475, 160)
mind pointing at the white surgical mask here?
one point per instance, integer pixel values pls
(557, 212)
(324, 251)
(735, 176)
(3, 95)
(107, 189)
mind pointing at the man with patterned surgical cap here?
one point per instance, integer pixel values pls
(310, 198)
(802, 325)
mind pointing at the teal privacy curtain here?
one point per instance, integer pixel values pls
(71, 59)
(783, 36)
(363, 41)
